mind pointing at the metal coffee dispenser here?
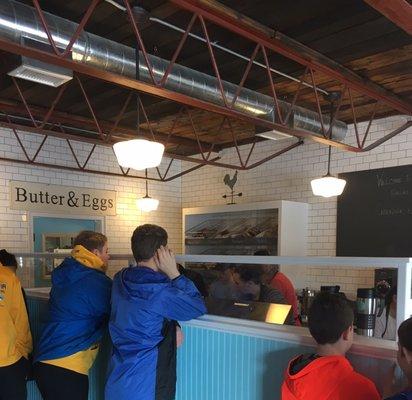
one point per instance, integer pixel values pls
(366, 310)
(306, 300)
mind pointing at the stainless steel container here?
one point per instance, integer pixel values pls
(366, 307)
(307, 299)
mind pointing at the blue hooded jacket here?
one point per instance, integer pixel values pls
(402, 396)
(145, 307)
(79, 309)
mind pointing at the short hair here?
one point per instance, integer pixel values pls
(90, 240)
(261, 252)
(405, 334)
(329, 316)
(146, 240)
(265, 252)
(250, 273)
(7, 259)
(222, 267)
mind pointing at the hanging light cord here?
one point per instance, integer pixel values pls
(147, 185)
(333, 98)
(330, 149)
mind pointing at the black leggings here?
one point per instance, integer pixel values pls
(56, 383)
(13, 381)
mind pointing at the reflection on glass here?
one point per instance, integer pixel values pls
(277, 313)
(237, 291)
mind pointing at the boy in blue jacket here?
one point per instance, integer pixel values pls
(79, 309)
(147, 300)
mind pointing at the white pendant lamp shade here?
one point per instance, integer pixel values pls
(147, 204)
(138, 154)
(328, 186)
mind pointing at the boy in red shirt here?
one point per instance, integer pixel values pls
(327, 374)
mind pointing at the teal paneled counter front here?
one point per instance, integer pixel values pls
(226, 359)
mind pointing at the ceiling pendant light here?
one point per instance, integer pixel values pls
(328, 185)
(138, 154)
(146, 203)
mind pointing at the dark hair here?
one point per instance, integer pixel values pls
(250, 273)
(90, 240)
(265, 252)
(329, 316)
(195, 277)
(405, 334)
(221, 267)
(261, 252)
(146, 240)
(7, 259)
(388, 301)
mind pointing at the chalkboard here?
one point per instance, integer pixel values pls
(375, 213)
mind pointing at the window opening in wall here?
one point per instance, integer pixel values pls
(56, 235)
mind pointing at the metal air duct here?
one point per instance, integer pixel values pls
(19, 21)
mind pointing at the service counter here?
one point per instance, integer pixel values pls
(230, 359)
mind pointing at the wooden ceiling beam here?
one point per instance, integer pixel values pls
(244, 26)
(397, 11)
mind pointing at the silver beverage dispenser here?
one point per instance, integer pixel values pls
(366, 309)
(306, 300)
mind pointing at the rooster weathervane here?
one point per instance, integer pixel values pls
(231, 182)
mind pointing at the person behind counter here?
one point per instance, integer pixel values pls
(195, 277)
(250, 287)
(279, 281)
(79, 308)
(224, 287)
(15, 336)
(385, 325)
(147, 300)
(404, 360)
(327, 374)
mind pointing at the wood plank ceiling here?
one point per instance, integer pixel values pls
(348, 31)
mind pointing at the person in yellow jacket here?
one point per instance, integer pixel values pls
(79, 309)
(15, 336)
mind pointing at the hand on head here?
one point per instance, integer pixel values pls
(166, 262)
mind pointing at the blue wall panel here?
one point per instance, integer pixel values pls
(214, 365)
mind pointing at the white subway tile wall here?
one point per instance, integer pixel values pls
(288, 178)
(284, 178)
(15, 233)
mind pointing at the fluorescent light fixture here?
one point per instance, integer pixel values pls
(328, 186)
(147, 204)
(41, 72)
(138, 154)
(274, 135)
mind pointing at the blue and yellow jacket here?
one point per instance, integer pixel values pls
(145, 307)
(79, 309)
(15, 336)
